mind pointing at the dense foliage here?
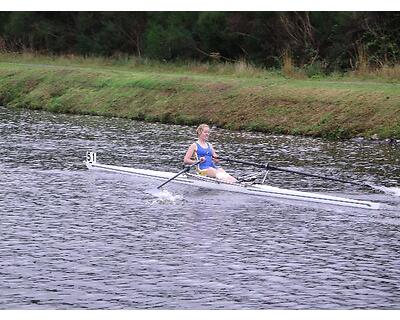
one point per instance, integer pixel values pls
(326, 41)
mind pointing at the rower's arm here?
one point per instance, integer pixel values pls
(189, 154)
(214, 154)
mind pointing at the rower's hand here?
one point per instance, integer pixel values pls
(202, 159)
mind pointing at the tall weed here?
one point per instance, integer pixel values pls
(362, 68)
(287, 64)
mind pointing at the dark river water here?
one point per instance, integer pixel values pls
(71, 238)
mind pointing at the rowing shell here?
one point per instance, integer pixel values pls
(211, 183)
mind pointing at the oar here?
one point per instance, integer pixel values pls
(187, 168)
(270, 167)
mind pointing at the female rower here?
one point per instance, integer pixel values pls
(204, 151)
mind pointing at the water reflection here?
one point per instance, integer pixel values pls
(71, 238)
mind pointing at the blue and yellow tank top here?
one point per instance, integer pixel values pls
(207, 154)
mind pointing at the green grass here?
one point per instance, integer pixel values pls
(235, 97)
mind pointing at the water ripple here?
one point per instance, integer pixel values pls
(74, 239)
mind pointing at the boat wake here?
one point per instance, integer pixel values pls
(164, 196)
(388, 190)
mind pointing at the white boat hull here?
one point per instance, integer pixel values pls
(256, 189)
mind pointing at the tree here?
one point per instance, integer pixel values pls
(169, 36)
(335, 40)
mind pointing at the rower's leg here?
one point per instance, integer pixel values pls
(211, 172)
(223, 175)
(220, 174)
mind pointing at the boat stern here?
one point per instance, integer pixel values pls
(90, 159)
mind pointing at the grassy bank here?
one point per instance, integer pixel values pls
(235, 96)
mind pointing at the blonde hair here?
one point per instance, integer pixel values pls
(201, 128)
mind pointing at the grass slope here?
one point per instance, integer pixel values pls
(259, 101)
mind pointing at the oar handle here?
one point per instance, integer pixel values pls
(186, 169)
(270, 167)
